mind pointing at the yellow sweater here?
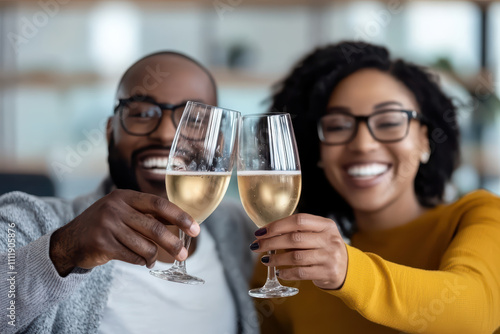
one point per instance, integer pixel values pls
(437, 274)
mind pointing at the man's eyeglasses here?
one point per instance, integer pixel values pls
(386, 126)
(141, 115)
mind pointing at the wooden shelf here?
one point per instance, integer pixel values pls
(46, 78)
(65, 80)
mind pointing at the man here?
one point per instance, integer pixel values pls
(63, 278)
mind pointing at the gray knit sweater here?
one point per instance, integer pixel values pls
(35, 299)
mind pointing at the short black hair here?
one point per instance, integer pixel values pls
(171, 53)
(304, 93)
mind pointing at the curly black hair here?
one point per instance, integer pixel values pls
(304, 93)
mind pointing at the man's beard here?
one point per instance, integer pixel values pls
(121, 173)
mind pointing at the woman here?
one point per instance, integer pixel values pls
(378, 141)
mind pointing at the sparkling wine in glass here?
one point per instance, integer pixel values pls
(199, 169)
(269, 180)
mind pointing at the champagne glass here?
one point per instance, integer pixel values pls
(269, 180)
(199, 169)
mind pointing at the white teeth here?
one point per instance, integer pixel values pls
(367, 171)
(155, 162)
(159, 171)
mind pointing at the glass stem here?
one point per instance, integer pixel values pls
(186, 241)
(272, 281)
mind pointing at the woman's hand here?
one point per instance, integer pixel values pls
(314, 249)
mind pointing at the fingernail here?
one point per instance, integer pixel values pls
(265, 259)
(260, 232)
(183, 254)
(152, 265)
(194, 229)
(254, 246)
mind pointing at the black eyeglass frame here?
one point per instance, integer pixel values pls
(412, 114)
(163, 107)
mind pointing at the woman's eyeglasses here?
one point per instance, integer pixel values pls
(386, 126)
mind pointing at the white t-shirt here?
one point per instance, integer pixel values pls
(141, 303)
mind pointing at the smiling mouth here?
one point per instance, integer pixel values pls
(367, 171)
(155, 164)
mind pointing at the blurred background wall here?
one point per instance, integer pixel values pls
(60, 62)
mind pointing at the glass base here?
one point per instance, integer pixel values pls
(280, 291)
(177, 275)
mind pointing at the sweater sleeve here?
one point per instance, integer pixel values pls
(30, 284)
(462, 296)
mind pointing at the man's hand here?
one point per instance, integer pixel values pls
(125, 225)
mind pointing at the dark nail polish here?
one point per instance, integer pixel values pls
(265, 259)
(260, 232)
(254, 246)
